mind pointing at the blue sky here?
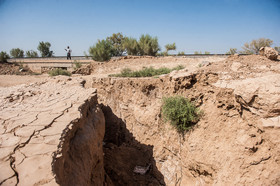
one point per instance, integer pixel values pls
(194, 25)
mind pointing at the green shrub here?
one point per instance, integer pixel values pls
(181, 113)
(125, 72)
(161, 71)
(31, 53)
(179, 67)
(255, 45)
(17, 53)
(59, 71)
(165, 53)
(146, 72)
(148, 45)
(3, 57)
(169, 47)
(101, 51)
(181, 53)
(161, 54)
(77, 65)
(131, 46)
(117, 44)
(232, 51)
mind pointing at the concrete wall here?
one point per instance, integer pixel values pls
(39, 64)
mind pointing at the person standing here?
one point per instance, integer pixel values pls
(68, 50)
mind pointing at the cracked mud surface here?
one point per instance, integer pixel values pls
(52, 131)
(32, 119)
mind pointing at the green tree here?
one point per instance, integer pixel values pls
(232, 51)
(44, 48)
(255, 45)
(31, 53)
(169, 47)
(206, 52)
(148, 45)
(131, 46)
(4, 56)
(17, 53)
(116, 41)
(197, 53)
(101, 51)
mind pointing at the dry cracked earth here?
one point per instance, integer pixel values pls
(100, 130)
(34, 118)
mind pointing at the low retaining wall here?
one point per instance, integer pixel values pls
(41, 64)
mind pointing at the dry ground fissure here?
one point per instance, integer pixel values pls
(70, 132)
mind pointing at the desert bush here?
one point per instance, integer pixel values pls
(116, 40)
(59, 71)
(165, 53)
(206, 52)
(179, 67)
(77, 64)
(197, 53)
(44, 48)
(181, 113)
(131, 46)
(117, 44)
(277, 49)
(31, 53)
(124, 73)
(146, 72)
(181, 53)
(101, 51)
(148, 45)
(3, 57)
(169, 47)
(255, 45)
(232, 51)
(17, 53)
(160, 54)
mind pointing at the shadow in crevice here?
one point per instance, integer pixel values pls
(122, 153)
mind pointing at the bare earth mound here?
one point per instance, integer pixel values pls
(58, 132)
(13, 69)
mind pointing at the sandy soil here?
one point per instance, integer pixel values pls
(137, 63)
(113, 67)
(12, 80)
(50, 133)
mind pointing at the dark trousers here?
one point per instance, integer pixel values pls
(68, 56)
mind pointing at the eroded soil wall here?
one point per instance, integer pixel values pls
(80, 157)
(229, 145)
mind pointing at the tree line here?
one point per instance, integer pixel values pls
(117, 45)
(43, 47)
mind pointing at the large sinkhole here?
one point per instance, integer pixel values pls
(127, 161)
